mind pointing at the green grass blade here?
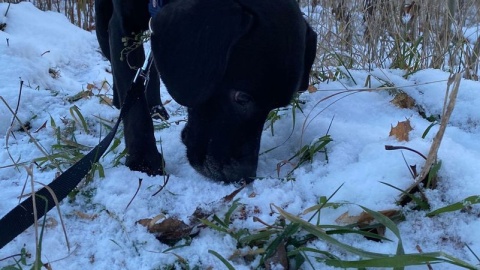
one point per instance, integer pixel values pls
(319, 252)
(389, 224)
(224, 261)
(433, 173)
(456, 206)
(347, 230)
(213, 225)
(255, 238)
(420, 203)
(289, 230)
(428, 129)
(322, 235)
(228, 215)
(75, 112)
(400, 261)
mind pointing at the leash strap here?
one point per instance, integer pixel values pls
(21, 217)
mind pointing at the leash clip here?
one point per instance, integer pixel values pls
(144, 71)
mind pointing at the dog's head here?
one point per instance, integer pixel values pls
(231, 62)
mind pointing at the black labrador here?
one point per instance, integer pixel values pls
(229, 61)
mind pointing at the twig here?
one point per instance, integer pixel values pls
(7, 137)
(136, 192)
(165, 182)
(429, 266)
(257, 219)
(9, 131)
(450, 105)
(11, 256)
(37, 144)
(14, 165)
(391, 147)
(57, 204)
(18, 102)
(432, 154)
(29, 170)
(8, 7)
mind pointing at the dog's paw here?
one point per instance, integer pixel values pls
(152, 165)
(159, 112)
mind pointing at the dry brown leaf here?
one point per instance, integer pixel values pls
(144, 221)
(346, 219)
(51, 223)
(91, 86)
(106, 100)
(105, 85)
(364, 218)
(401, 131)
(42, 127)
(149, 222)
(278, 258)
(312, 89)
(404, 101)
(248, 254)
(232, 195)
(169, 231)
(80, 95)
(85, 215)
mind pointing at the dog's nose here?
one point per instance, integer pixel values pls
(183, 135)
(231, 172)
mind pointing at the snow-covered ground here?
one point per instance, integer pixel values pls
(103, 233)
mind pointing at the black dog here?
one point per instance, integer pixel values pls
(118, 23)
(229, 61)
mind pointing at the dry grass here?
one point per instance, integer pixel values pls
(79, 12)
(409, 35)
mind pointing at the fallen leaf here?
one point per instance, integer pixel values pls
(85, 215)
(170, 231)
(346, 219)
(51, 223)
(312, 89)
(144, 222)
(404, 101)
(232, 195)
(148, 222)
(365, 220)
(279, 258)
(80, 95)
(91, 86)
(40, 128)
(106, 100)
(401, 130)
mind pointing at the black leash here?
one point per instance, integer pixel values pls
(21, 217)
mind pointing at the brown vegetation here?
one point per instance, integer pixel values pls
(79, 12)
(409, 35)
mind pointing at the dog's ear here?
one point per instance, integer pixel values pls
(310, 54)
(191, 44)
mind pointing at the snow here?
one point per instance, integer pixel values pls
(360, 126)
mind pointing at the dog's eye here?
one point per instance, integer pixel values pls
(242, 98)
